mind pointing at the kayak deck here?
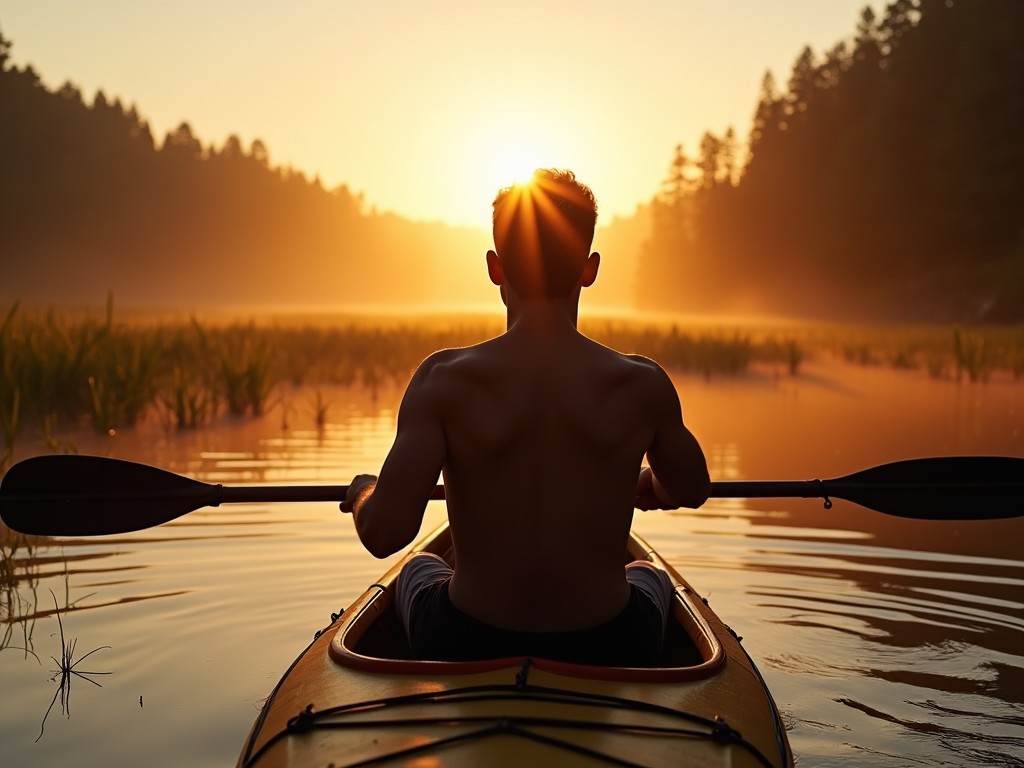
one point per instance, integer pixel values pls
(355, 697)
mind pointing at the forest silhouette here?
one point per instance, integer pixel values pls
(884, 180)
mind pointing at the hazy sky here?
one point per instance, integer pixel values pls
(428, 107)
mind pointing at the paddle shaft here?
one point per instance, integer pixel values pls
(209, 495)
(213, 495)
(820, 489)
(93, 495)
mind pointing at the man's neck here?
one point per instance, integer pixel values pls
(542, 316)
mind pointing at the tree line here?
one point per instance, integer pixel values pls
(91, 202)
(884, 179)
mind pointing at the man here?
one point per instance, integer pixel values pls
(540, 434)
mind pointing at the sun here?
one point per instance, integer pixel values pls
(511, 158)
(496, 151)
(514, 163)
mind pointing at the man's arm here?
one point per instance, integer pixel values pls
(388, 510)
(678, 473)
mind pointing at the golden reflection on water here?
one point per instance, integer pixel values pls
(885, 641)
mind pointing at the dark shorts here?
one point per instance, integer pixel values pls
(440, 631)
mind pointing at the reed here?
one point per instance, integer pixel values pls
(245, 364)
(52, 363)
(16, 549)
(9, 426)
(320, 409)
(188, 402)
(10, 393)
(787, 351)
(941, 351)
(125, 372)
(972, 355)
(60, 372)
(67, 667)
(1016, 358)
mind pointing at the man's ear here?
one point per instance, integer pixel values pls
(494, 269)
(589, 274)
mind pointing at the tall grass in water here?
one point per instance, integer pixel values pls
(59, 372)
(713, 352)
(186, 401)
(19, 580)
(244, 366)
(10, 394)
(972, 355)
(942, 352)
(67, 667)
(321, 406)
(126, 379)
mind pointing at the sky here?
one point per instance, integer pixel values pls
(428, 107)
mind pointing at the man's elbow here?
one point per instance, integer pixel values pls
(379, 544)
(697, 500)
(382, 542)
(696, 493)
(378, 549)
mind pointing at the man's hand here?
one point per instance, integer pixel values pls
(360, 487)
(647, 496)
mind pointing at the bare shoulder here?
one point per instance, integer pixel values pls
(442, 369)
(645, 362)
(438, 360)
(452, 360)
(653, 381)
(649, 370)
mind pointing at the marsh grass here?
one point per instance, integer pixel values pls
(245, 367)
(187, 401)
(10, 393)
(126, 379)
(67, 668)
(943, 352)
(972, 354)
(9, 427)
(321, 406)
(17, 549)
(60, 372)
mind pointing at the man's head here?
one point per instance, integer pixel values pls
(542, 233)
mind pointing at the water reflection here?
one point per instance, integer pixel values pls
(19, 588)
(884, 642)
(877, 654)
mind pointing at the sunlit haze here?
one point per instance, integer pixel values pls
(428, 108)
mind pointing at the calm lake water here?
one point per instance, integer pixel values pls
(885, 641)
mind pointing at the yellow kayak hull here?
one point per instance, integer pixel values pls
(354, 698)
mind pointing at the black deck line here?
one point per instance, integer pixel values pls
(520, 692)
(314, 720)
(520, 726)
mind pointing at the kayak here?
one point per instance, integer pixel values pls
(354, 697)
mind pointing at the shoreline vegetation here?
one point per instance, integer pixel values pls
(64, 371)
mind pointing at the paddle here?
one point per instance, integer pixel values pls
(93, 496)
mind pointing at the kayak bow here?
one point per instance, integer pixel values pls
(354, 697)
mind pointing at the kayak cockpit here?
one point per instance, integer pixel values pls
(373, 640)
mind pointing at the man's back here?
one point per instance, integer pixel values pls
(545, 431)
(540, 434)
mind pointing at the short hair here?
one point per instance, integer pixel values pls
(543, 231)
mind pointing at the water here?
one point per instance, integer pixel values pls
(884, 641)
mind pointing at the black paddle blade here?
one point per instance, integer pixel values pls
(939, 488)
(94, 496)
